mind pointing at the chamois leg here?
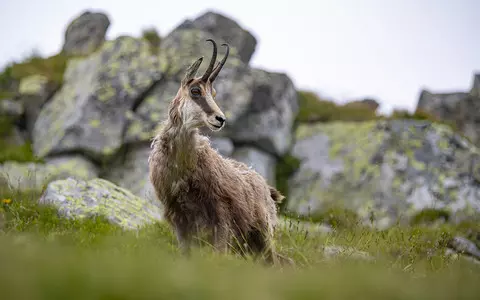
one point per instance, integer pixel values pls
(184, 239)
(220, 238)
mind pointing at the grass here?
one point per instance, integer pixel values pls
(51, 67)
(153, 38)
(44, 256)
(314, 109)
(12, 152)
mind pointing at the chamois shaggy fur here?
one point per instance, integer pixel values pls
(201, 191)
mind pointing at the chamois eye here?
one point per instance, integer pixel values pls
(195, 91)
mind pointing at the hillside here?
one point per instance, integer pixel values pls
(378, 206)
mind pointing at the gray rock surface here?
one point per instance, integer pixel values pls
(131, 172)
(223, 145)
(143, 123)
(465, 246)
(77, 199)
(441, 105)
(234, 84)
(475, 90)
(86, 33)
(268, 121)
(227, 29)
(89, 113)
(34, 176)
(385, 171)
(258, 160)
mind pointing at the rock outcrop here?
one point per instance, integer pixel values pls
(459, 108)
(98, 197)
(35, 176)
(385, 171)
(226, 29)
(88, 115)
(86, 33)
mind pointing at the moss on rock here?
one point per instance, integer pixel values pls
(33, 176)
(88, 114)
(78, 199)
(385, 171)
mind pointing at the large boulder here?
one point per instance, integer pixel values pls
(145, 121)
(86, 33)
(469, 118)
(385, 171)
(268, 121)
(475, 90)
(227, 29)
(89, 113)
(32, 176)
(443, 106)
(131, 171)
(234, 83)
(78, 199)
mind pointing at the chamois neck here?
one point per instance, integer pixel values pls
(179, 143)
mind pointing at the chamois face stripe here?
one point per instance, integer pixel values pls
(202, 101)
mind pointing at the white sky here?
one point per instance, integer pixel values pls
(343, 49)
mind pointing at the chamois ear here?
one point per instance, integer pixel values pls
(192, 71)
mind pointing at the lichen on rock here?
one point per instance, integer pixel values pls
(145, 121)
(131, 171)
(86, 33)
(31, 176)
(78, 199)
(88, 114)
(386, 171)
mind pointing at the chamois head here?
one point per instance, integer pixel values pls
(196, 96)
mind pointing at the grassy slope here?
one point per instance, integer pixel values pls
(46, 257)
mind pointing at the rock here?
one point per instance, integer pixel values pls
(86, 33)
(145, 121)
(89, 114)
(11, 109)
(260, 161)
(465, 246)
(35, 91)
(234, 83)
(131, 172)
(443, 106)
(33, 176)
(475, 90)
(223, 145)
(227, 29)
(268, 121)
(77, 199)
(469, 118)
(336, 251)
(361, 166)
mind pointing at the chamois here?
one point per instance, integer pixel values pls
(201, 191)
